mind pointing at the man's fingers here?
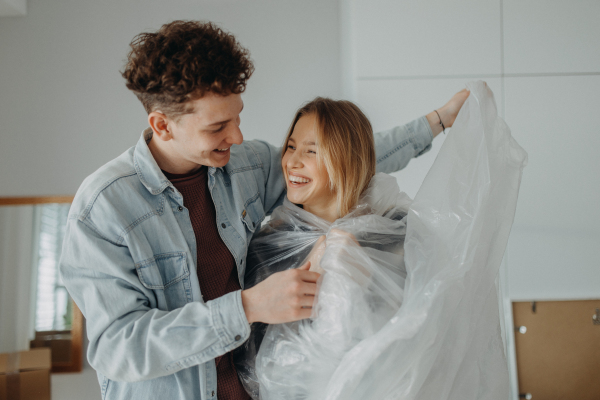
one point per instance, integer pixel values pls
(308, 276)
(305, 267)
(304, 313)
(308, 289)
(307, 301)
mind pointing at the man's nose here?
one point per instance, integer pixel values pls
(235, 135)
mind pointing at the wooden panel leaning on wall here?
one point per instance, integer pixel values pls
(558, 349)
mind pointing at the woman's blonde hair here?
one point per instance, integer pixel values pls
(345, 146)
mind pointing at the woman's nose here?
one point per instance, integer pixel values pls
(294, 161)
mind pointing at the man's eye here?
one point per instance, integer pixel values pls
(290, 147)
(220, 129)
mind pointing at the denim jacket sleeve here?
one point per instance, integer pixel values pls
(397, 146)
(272, 182)
(130, 338)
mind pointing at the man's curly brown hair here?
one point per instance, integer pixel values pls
(182, 62)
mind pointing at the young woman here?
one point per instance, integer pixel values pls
(351, 223)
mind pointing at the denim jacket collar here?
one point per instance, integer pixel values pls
(146, 167)
(148, 170)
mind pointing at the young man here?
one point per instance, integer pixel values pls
(156, 240)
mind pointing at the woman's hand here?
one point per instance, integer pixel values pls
(315, 256)
(447, 113)
(344, 247)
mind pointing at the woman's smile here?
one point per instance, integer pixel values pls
(307, 179)
(297, 180)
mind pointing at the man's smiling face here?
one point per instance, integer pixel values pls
(205, 136)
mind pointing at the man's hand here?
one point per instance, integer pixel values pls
(283, 297)
(447, 113)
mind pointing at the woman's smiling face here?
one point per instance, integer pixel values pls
(307, 179)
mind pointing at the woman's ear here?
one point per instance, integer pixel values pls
(159, 123)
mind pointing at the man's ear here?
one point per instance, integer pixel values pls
(159, 123)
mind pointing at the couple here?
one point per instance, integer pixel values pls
(156, 246)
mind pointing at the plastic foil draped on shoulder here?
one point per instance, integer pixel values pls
(407, 306)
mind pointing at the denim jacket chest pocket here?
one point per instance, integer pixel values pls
(253, 214)
(167, 275)
(245, 187)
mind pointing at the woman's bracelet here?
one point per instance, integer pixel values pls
(441, 123)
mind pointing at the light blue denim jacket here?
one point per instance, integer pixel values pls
(129, 262)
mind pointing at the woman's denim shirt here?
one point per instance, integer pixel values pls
(129, 262)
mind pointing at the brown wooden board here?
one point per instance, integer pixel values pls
(558, 357)
(24, 201)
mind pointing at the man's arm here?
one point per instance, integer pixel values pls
(130, 339)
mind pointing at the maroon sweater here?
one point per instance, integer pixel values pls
(217, 272)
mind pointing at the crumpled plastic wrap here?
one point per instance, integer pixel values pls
(407, 306)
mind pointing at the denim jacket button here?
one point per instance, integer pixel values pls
(213, 393)
(223, 225)
(180, 208)
(237, 337)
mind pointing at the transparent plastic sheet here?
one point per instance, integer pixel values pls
(363, 258)
(407, 305)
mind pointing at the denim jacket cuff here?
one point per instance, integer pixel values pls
(229, 320)
(423, 135)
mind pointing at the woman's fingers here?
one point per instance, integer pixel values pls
(346, 237)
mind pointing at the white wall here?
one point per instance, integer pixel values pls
(16, 278)
(65, 110)
(542, 60)
(13, 7)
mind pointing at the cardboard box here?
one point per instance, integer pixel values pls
(25, 375)
(60, 342)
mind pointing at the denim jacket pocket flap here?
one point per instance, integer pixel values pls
(253, 214)
(162, 270)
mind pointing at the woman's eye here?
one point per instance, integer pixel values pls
(312, 152)
(290, 147)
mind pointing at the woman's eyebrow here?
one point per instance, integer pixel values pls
(306, 142)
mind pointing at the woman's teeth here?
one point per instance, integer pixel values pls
(297, 179)
(222, 150)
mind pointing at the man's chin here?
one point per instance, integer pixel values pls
(219, 161)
